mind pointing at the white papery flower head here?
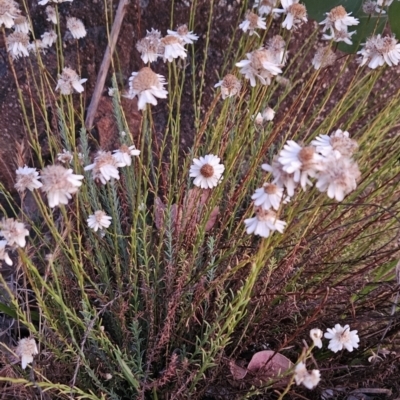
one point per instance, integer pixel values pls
(277, 47)
(17, 44)
(76, 27)
(44, 2)
(340, 36)
(27, 178)
(182, 32)
(308, 379)
(252, 22)
(150, 47)
(13, 232)
(25, 350)
(261, 64)
(379, 50)
(268, 114)
(296, 14)
(48, 38)
(324, 57)
(65, 157)
(303, 162)
(105, 167)
(342, 337)
(206, 171)
(281, 177)
(338, 178)
(99, 220)
(338, 144)
(51, 14)
(264, 223)
(59, 184)
(370, 7)
(338, 19)
(173, 48)
(258, 119)
(382, 3)
(268, 196)
(9, 11)
(146, 85)
(68, 81)
(230, 86)
(3, 253)
(265, 7)
(316, 336)
(124, 155)
(21, 24)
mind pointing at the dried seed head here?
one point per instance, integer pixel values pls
(270, 188)
(324, 57)
(170, 40)
(344, 145)
(18, 37)
(182, 30)
(207, 170)
(306, 155)
(298, 11)
(337, 13)
(253, 19)
(265, 215)
(230, 86)
(369, 7)
(145, 79)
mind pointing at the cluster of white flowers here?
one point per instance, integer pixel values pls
(153, 46)
(296, 13)
(337, 21)
(379, 50)
(264, 63)
(106, 164)
(207, 171)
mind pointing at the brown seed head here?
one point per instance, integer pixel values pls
(207, 170)
(265, 215)
(344, 145)
(253, 19)
(298, 11)
(270, 188)
(144, 80)
(182, 30)
(170, 39)
(306, 154)
(18, 37)
(337, 13)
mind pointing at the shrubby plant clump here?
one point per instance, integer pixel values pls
(145, 273)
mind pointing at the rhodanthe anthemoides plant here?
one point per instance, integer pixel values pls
(250, 206)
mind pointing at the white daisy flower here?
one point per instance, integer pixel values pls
(340, 36)
(341, 336)
(252, 22)
(338, 177)
(173, 48)
(380, 50)
(324, 57)
(316, 336)
(207, 171)
(308, 379)
(68, 81)
(124, 155)
(99, 220)
(337, 145)
(146, 85)
(44, 2)
(48, 38)
(21, 25)
(303, 162)
(338, 19)
(265, 7)
(260, 64)
(105, 167)
(65, 156)
(59, 184)
(17, 44)
(9, 11)
(150, 47)
(76, 27)
(264, 223)
(27, 178)
(188, 37)
(51, 14)
(268, 196)
(26, 349)
(281, 177)
(3, 253)
(296, 13)
(13, 232)
(230, 86)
